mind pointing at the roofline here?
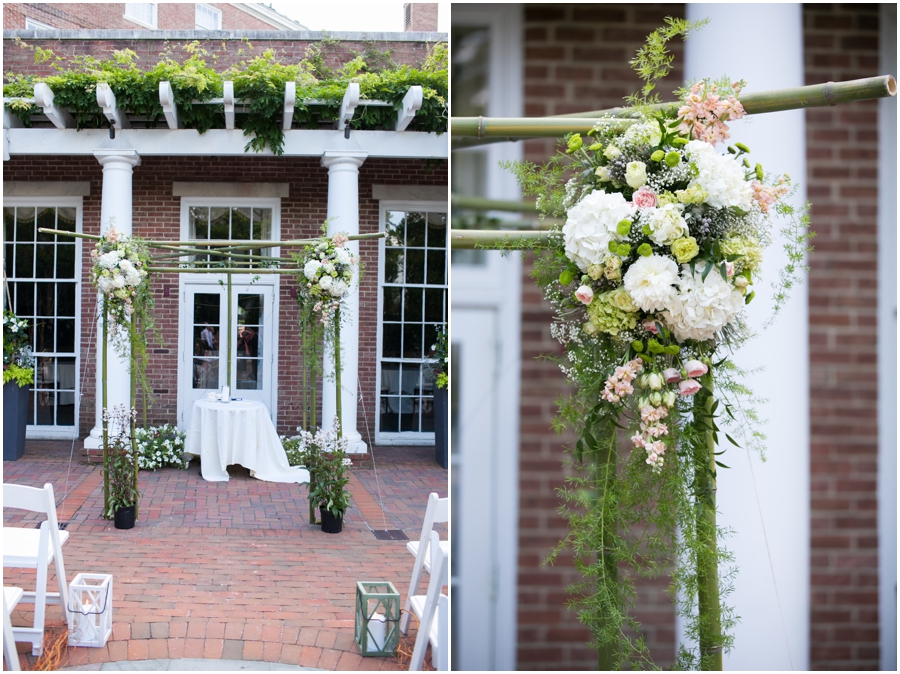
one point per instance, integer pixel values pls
(296, 35)
(259, 11)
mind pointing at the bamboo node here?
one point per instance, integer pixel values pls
(481, 127)
(829, 94)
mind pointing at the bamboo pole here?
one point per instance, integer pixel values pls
(482, 204)
(810, 96)
(471, 131)
(223, 243)
(132, 400)
(500, 239)
(229, 339)
(223, 270)
(707, 567)
(337, 370)
(606, 464)
(103, 371)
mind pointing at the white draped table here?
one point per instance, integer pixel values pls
(238, 432)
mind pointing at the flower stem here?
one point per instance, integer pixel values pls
(606, 465)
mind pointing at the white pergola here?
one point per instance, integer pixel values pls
(342, 151)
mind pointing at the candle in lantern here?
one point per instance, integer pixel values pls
(377, 632)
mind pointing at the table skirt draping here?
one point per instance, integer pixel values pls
(238, 432)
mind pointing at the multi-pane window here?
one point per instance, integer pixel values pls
(141, 12)
(207, 18)
(414, 307)
(41, 272)
(231, 222)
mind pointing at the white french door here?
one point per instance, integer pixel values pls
(205, 337)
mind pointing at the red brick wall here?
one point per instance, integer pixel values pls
(842, 44)
(222, 54)
(111, 15)
(575, 60)
(157, 215)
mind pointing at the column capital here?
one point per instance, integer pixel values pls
(338, 157)
(129, 156)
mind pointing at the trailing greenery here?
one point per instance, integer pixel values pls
(121, 471)
(258, 80)
(18, 359)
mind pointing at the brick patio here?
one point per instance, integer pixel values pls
(230, 570)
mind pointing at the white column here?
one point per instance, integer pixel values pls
(118, 160)
(343, 216)
(763, 44)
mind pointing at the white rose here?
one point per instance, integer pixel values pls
(325, 282)
(611, 152)
(636, 174)
(603, 174)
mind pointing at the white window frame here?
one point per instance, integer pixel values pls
(154, 11)
(41, 432)
(402, 437)
(216, 12)
(31, 24)
(237, 279)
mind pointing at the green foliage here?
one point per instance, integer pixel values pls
(258, 80)
(120, 450)
(160, 447)
(22, 376)
(654, 61)
(797, 236)
(18, 360)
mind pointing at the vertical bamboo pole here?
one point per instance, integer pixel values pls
(230, 335)
(305, 370)
(132, 398)
(337, 369)
(103, 402)
(606, 466)
(707, 567)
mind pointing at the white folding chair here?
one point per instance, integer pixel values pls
(11, 597)
(437, 511)
(35, 549)
(432, 610)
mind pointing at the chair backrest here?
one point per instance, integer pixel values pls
(431, 609)
(33, 499)
(437, 511)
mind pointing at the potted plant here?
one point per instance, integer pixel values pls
(123, 491)
(324, 456)
(441, 374)
(18, 375)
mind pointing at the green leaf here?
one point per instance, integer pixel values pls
(709, 267)
(719, 463)
(723, 270)
(730, 439)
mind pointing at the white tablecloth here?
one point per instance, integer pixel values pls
(238, 432)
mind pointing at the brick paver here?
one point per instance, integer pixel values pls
(231, 570)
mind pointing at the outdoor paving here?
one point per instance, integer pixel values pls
(230, 571)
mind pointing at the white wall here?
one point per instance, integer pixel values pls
(763, 44)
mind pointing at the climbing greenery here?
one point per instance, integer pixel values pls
(259, 81)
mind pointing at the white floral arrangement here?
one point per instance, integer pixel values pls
(160, 447)
(663, 242)
(328, 275)
(119, 273)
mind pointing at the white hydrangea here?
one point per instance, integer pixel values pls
(721, 176)
(647, 133)
(118, 281)
(666, 223)
(338, 288)
(650, 282)
(109, 260)
(133, 276)
(325, 282)
(701, 308)
(311, 269)
(105, 284)
(342, 255)
(591, 225)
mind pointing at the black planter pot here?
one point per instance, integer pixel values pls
(441, 423)
(125, 517)
(330, 523)
(15, 418)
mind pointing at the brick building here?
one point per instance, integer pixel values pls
(827, 493)
(165, 182)
(144, 16)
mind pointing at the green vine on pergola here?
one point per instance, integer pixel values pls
(259, 89)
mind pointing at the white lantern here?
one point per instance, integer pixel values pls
(90, 609)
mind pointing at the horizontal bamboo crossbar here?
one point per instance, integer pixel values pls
(234, 244)
(482, 204)
(461, 239)
(476, 130)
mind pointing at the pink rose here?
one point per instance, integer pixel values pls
(694, 368)
(584, 294)
(672, 375)
(650, 326)
(688, 387)
(644, 198)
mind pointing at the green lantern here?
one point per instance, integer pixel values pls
(377, 618)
